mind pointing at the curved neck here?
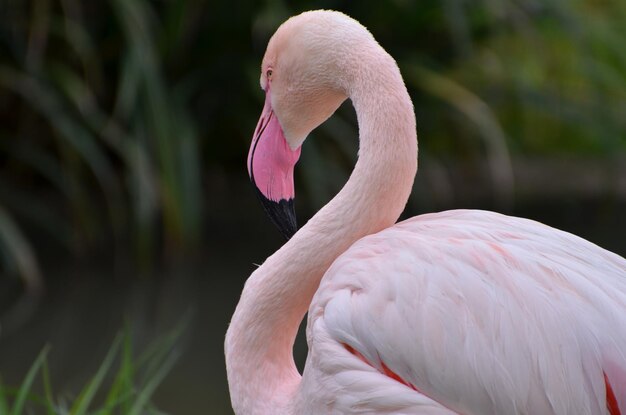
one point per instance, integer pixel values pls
(261, 372)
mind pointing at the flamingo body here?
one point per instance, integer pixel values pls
(479, 312)
(460, 312)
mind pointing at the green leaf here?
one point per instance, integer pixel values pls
(4, 404)
(146, 392)
(20, 399)
(49, 400)
(122, 388)
(81, 405)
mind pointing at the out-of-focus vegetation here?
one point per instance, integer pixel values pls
(116, 116)
(124, 381)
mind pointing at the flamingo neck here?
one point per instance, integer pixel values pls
(259, 344)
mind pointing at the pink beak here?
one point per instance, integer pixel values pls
(270, 165)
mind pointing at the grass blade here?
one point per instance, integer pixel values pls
(4, 404)
(86, 396)
(47, 386)
(144, 396)
(122, 388)
(20, 399)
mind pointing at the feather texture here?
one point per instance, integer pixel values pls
(483, 313)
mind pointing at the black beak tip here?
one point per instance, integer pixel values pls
(281, 213)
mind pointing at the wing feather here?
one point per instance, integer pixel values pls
(483, 313)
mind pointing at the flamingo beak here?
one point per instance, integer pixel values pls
(270, 164)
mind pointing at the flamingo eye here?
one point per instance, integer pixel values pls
(269, 74)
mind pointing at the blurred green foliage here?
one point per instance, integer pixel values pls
(115, 114)
(130, 382)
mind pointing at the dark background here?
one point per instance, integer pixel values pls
(124, 127)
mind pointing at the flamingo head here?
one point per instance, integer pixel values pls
(306, 74)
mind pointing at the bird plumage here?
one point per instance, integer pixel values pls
(480, 312)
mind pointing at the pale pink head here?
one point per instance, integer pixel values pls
(305, 75)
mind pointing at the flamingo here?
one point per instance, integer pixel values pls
(457, 312)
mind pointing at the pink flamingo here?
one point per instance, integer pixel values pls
(458, 312)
